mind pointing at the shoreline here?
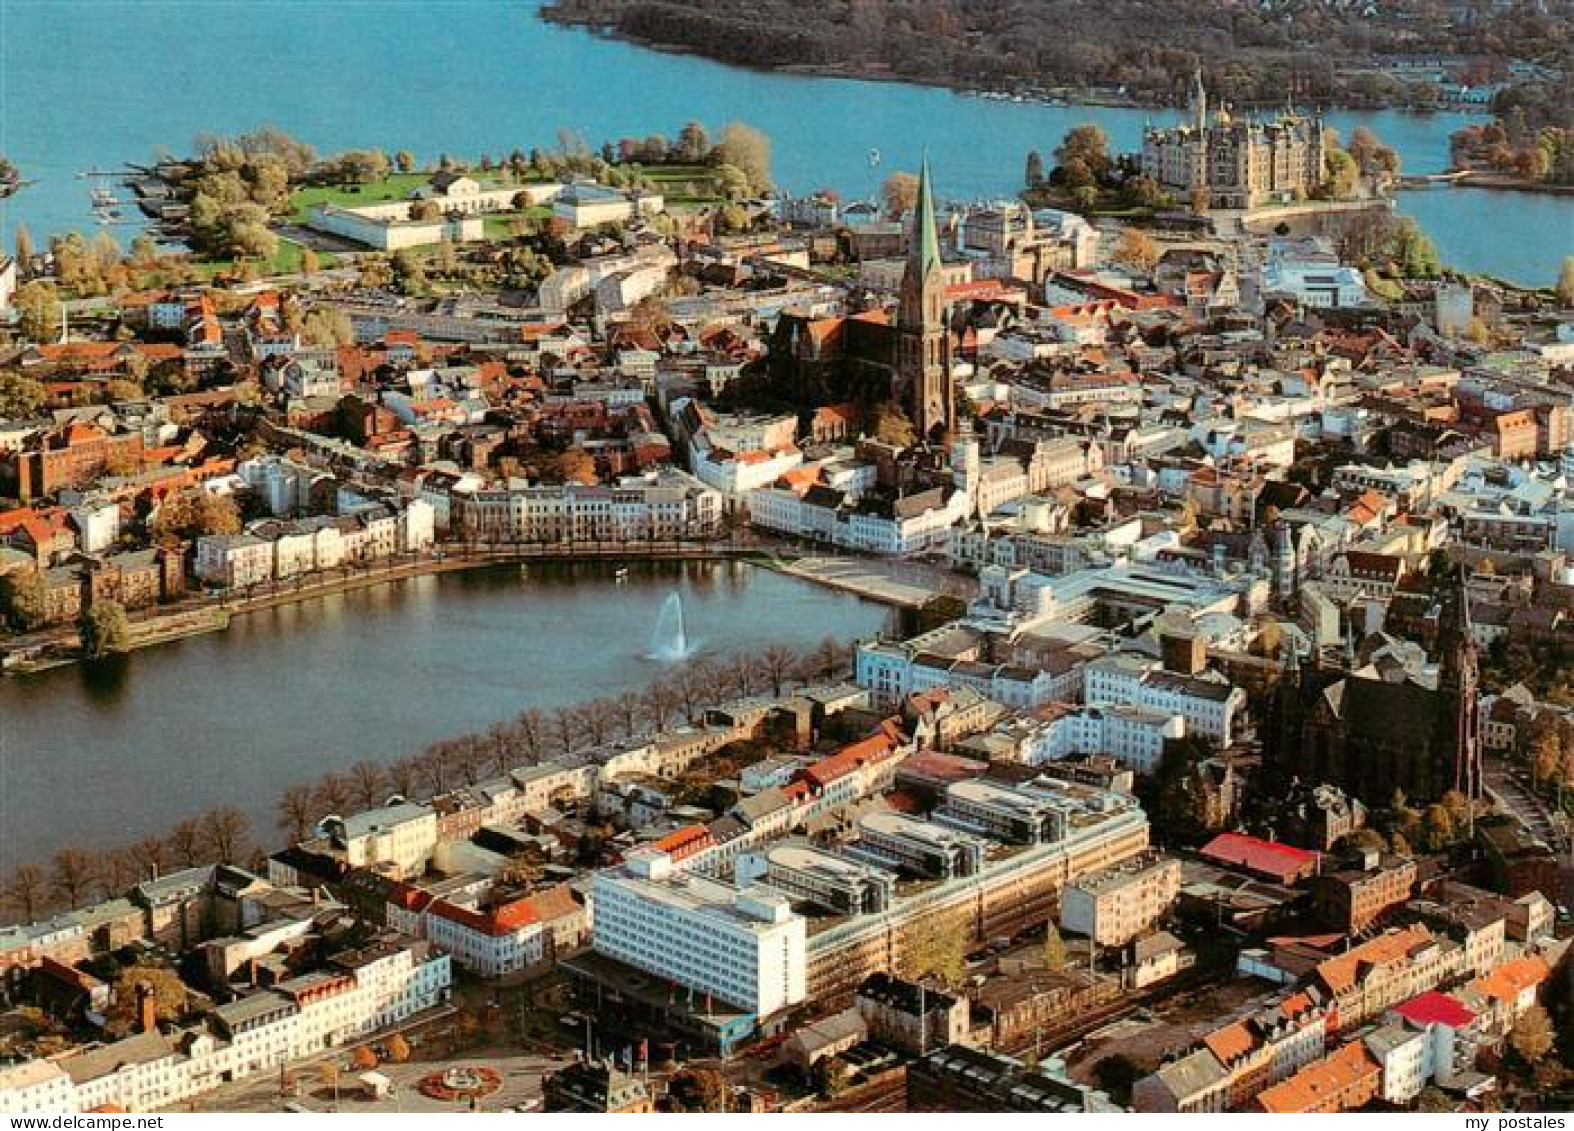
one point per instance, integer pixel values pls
(550, 15)
(200, 616)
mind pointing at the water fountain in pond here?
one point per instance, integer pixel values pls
(670, 642)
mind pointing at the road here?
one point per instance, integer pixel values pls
(1511, 786)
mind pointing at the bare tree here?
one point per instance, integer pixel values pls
(186, 844)
(227, 831)
(26, 891)
(403, 776)
(742, 674)
(432, 770)
(694, 687)
(466, 756)
(334, 794)
(660, 700)
(531, 725)
(367, 783)
(151, 855)
(74, 874)
(116, 871)
(630, 708)
(777, 664)
(501, 745)
(832, 658)
(563, 725)
(297, 811)
(597, 719)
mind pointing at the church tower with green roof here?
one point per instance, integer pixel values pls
(923, 364)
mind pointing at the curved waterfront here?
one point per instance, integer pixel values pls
(142, 77)
(131, 746)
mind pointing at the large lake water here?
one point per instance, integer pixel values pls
(103, 754)
(94, 83)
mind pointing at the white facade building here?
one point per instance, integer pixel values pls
(745, 946)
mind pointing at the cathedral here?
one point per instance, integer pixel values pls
(1371, 729)
(871, 357)
(1240, 164)
(923, 345)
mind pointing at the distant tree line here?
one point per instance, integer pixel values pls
(1253, 55)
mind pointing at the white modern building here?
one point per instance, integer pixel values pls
(745, 946)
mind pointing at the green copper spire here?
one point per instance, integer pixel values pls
(928, 235)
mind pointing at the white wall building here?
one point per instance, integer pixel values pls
(746, 946)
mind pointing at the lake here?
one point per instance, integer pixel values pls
(94, 84)
(103, 754)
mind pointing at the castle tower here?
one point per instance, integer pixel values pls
(923, 370)
(1197, 105)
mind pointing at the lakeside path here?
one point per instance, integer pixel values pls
(901, 584)
(906, 584)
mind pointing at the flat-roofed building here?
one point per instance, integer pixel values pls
(745, 945)
(1116, 905)
(918, 848)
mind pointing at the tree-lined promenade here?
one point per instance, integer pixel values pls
(75, 875)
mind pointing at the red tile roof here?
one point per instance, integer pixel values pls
(1283, 862)
(1435, 1008)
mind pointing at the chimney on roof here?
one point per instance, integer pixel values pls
(147, 1009)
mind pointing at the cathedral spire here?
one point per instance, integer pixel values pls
(923, 368)
(925, 253)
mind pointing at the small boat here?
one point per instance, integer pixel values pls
(621, 575)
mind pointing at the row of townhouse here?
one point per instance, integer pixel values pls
(357, 993)
(911, 524)
(893, 670)
(1212, 707)
(667, 504)
(858, 770)
(277, 550)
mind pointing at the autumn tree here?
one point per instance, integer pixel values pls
(940, 951)
(1054, 947)
(748, 150)
(26, 891)
(20, 396)
(38, 310)
(297, 812)
(1083, 156)
(899, 193)
(327, 327)
(698, 1089)
(398, 1049)
(1531, 1038)
(193, 515)
(104, 630)
(22, 599)
(1138, 249)
(575, 465)
(693, 143)
(1565, 288)
(892, 426)
(404, 161)
(227, 832)
(72, 873)
(169, 994)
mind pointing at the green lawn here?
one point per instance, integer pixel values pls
(496, 224)
(286, 261)
(396, 186)
(673, 181)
